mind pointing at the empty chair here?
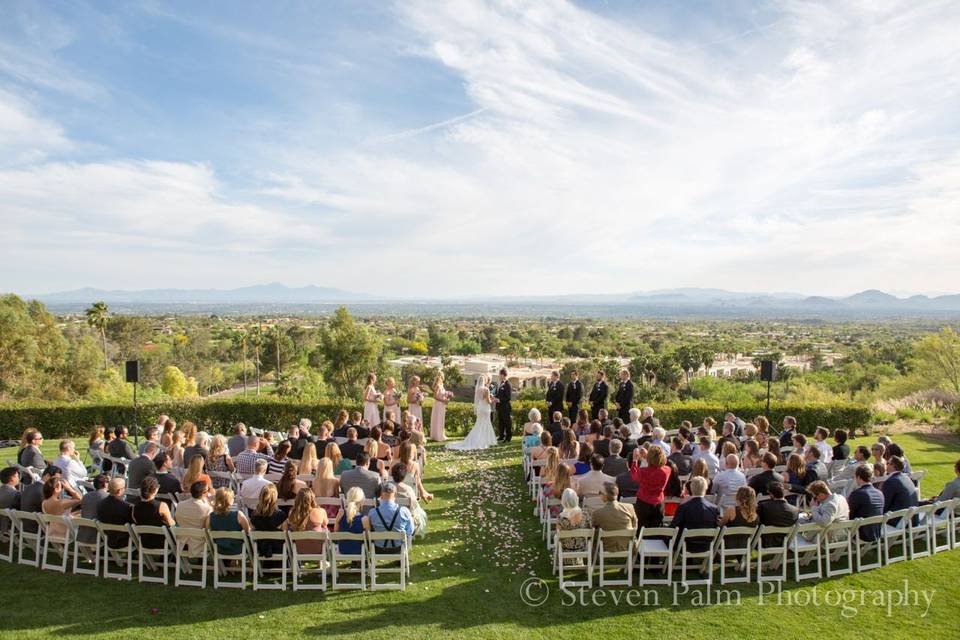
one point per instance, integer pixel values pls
(655, 546)
(941, 525)
(896, 535)
(920, 530)
(8, 535)
(29, 534)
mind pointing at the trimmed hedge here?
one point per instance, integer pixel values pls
(216, 416)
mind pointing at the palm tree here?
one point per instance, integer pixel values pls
(97, 318)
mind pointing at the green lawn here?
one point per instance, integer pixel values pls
(467, 575)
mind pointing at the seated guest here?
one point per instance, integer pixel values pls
(289, 485)
(634, 426)
(683, 462)
(310, 461)
(225, 517)
(776, 512)
(789, 429)
(704, 452)
(32, 497)
(657, 439)
(192, 513)
(142, 466)
(553, 486)
(555, 428)
(326, 485)
(877, 450)
(898, 489)
(814, 468)
(751, 455)
(893, 449)
(726, 483)
(383, 449)
(540, 451)
(73, 470)
(699, 470)
(533, 418)
(341, 424)
(866, 501)
(389, 516)
(626, 485)
(29, 454)
(169, 483)
(583, 461)
(219, 460)
(952, 488)
(351, 447)
(614, 464)
(743, 513)
(89, 505)
(361, 476)
(651, 481)
(569, 447)
(760, 481)
(613, 516)
(150, 512)
(356, 421)
(303, 437)
(246, 460)
(151, 434)
(827, 507)
(696, 513)
(351, 521)
(55, 505)
(400, 474)
(196, 443)
(861, 457)
(602, 444)
(590, 484)
(268, 517)
(115, 510)
(238, 442)
(820, 443)
(727, 436)
(595, 429)
(9, 492)
(841, 450)
(195, 473)
(276, 464)
(572, 517)
(251, 487)
(119, 447)
(340, 464)
(532, 439)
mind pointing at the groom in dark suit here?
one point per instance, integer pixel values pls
(574, 395)
(624, 397)
(598, 395)
(554, 395)
(504, 419)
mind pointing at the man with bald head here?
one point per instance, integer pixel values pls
(727, 481)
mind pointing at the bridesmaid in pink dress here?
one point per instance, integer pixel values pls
(391, 402)
(371, 415)
(437, 417)
(415, 402)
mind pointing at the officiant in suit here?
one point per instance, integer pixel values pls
(554, 394)
(574, 395)
(504, 416)
(624, 397)
(598, 395)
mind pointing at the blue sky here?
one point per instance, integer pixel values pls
(430, 148)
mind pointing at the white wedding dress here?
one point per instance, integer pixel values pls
(482, 435)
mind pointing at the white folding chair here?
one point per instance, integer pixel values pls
(265, 565)
(190, 546)
(150, 559)
(863, 544)
(549, 520)
(29, 536)
(805, 546)
(837, 545)
(955, 524)
(337, 556)
(941, 524)
(574, 559)
(376, 556)
(896, 533)
(8, 535)
(86, 546)
(917, 477)
(735, 546)
(770, 547)
(655, 544)
(919, 529)
(702, 560)
(605, 559)
(305, 564)
(121, 555)
(222, 559)
(56, 536)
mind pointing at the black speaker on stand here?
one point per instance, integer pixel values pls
(768, 372)
(133, 375)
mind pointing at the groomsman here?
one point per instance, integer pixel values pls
(598, 395)
(624, 397)
(574, 395)
(554, 394)
(504, 419)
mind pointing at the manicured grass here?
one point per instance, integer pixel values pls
(467, 575)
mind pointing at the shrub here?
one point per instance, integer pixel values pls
(216, 416)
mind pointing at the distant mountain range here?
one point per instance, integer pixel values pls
(661, 302)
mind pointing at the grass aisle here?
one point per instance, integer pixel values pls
(483, 543)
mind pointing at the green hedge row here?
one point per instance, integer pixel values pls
(216, 416)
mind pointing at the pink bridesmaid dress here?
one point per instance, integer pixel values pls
(391, 403)
(371, 414)
(438, 415)
(415, 407)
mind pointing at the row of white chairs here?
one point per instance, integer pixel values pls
(765, 553)
(62, 543)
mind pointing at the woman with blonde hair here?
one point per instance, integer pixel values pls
(219, 460)
(551, 462)
(727, 449)
(307, 516)
(563, 479)
(371, 414)
(569, 447)
(267, 516)
(195, 473)
(351, 521)
(438, 414)
(415, 401)
(763, 425)
(391, 401)
(414, 476)
(371, 448)
(225, 518)
(309, 461)
(327, 485)
(189, 434)
(343, 417)
(340, 464)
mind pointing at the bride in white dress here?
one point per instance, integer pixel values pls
(482, 435)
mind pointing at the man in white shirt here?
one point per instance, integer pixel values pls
(826, 451)
(704, 451)
(69, 462)
(589, 485)
(251, 487)
(659, 433)
(726, 483)
(634, 424)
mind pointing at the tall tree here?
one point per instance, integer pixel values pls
(937, 357)
(97, 315)
(348, 351)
